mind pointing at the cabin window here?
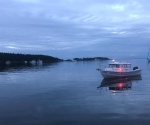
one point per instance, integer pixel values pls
(112, 66)
(128, 66)
(125, 65)
(121, 66)
(117, 66)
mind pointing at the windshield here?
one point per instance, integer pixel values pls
(119, 65)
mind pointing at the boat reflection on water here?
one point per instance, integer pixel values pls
(119, 84)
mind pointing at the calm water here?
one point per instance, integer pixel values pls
(72, 93)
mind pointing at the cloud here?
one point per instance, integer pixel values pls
(71, 25)
(28, 1)
(78, 11)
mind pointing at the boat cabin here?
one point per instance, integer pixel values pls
(119, 69)
(119, 65)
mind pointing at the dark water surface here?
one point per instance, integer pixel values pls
(72, 93)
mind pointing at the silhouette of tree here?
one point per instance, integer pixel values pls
(19, 59)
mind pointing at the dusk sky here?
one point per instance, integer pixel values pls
(76, 28)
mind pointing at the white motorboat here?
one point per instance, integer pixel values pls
(119, 69)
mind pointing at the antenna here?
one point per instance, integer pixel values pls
(148, 56)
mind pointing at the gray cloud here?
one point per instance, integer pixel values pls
(74, 26)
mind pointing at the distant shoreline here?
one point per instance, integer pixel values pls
(12, 59)
(91, 59)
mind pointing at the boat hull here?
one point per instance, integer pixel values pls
(114, 74)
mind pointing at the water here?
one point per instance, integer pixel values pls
(71, 93)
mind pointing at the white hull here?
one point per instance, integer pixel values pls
(113, 74)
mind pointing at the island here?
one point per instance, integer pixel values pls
(91, 59)
(12, 59)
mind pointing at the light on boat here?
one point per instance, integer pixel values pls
(120, 69)
(120, 85)
(113, 60)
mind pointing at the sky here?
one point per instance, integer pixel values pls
(76, 28)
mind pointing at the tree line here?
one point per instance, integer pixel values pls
(91, 59)
(27, 57)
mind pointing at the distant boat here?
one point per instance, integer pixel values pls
(148, 56)
(33, 62)
(119, 69)
(39, 62)
(8, 63)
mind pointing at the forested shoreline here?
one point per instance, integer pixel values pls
(12, 59)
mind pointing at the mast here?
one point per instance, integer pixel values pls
(148, 56)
